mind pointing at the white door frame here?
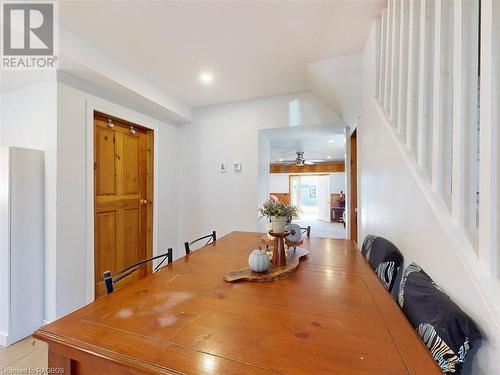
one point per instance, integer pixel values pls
(321, 203)
(106, 107)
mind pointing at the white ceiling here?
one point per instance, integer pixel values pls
(254, 48)
(312, 140)
(337, 83)
(313, 148)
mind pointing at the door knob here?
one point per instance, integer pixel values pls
(143, 201)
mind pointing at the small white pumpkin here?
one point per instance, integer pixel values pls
(258, 260)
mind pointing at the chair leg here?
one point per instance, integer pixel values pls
(308, 231)
(186, 247)
(214, 235)
(108, 281)
(170, 256)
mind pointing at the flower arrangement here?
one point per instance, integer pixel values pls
(274, 208)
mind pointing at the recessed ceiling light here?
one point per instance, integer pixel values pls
(206, 78)
(331, 141)
(328, 157)
(280, 159)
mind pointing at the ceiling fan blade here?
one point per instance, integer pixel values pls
(284, 161)
(317, 160)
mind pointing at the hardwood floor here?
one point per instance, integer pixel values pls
(25, 354)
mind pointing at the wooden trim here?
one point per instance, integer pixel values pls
(149, 196)
(315, 168)
(282, 197)
(105, 117)
(353, 190)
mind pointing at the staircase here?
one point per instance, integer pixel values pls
(436, 91)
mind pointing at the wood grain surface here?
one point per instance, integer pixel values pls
(274, 273)
(332, 316)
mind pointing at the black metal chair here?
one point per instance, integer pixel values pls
(110, 280)
(211, 238)
(306, 230)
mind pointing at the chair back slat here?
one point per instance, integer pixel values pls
(110, 280)
(210, 238)
(306, 231)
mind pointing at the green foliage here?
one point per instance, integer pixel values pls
(274, 208)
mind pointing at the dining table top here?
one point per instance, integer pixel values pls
(332, 316)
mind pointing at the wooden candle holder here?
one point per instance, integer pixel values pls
(279, 256)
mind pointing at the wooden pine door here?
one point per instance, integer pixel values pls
(122, 198)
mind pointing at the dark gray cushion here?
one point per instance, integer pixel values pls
(446, 330)
(384, 258)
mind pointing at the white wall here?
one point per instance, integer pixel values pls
(92, 63)
(29, 119)
(393, 205)
(72, 261)
(337, 83)
(228, 201)
(52, 117)
(279, 182)
(337, 182)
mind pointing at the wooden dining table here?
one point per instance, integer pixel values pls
(332, 316)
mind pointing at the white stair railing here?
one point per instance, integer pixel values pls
(433, 58)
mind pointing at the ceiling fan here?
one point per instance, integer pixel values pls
(300, 161)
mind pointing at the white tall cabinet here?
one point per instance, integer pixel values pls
(22, 243)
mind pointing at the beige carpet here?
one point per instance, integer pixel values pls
(322, 229)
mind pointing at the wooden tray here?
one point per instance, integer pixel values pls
(292, 262)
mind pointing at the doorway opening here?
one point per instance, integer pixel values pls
(307, 169)
(310, 194)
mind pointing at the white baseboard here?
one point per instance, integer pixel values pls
(4, 339)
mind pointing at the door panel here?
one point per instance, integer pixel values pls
(105, 178)
(132, 234)
(123, 199)
(105, 240)
(132, 160)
